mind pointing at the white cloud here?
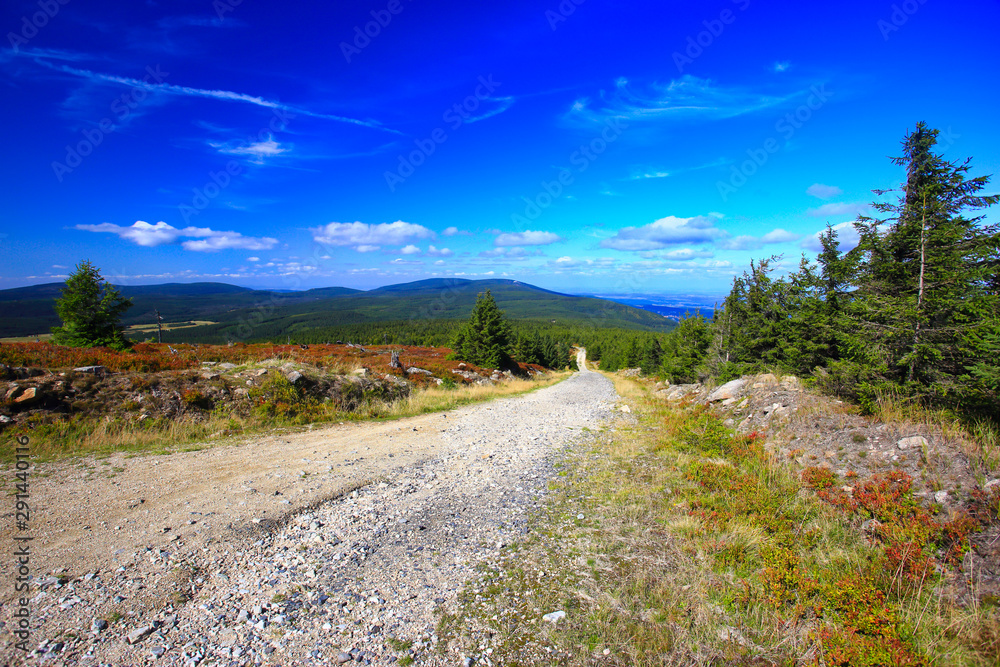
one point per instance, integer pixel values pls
(450, 231)
(435, 252)
(781, 66)
(649, 174)
(685, 254)
(847, 238)
(366, 238)
(852, 209)
(821, 191)
(228, 241)
(670, 230)
(526, 238)
(780, 236)
(150, 236)
(253, 259)
(746, 242)
(511, 253)
(410, 250)
(742, 242)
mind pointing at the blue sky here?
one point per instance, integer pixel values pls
(582, 146)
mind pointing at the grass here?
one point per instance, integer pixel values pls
(696, 546)
(83, 435)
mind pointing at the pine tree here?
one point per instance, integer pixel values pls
(91, 310)
(685, 349)
(924, 301)
(486, 339)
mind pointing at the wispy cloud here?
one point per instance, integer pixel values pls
(187, 91)
(781, 66)
(208, 240)
(256, 151)
(504, 103)
(838, 209)
(821, 191)
(642, 173)
(746, 242)
(688, 96)
(648, 174)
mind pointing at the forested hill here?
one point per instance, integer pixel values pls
(245, 314)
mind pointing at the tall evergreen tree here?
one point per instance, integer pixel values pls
(925, 303)
(91, 310)
(486, 339)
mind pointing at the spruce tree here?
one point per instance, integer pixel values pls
(91, 310)
(925, 305)
(485, 340)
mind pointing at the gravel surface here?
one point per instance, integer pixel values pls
(354, 579)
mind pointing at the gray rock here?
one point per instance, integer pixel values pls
(728, 390)
(554, 617)
(343, 657)
(139, 634)
(93, 370)
(294, 377)
(912, 441)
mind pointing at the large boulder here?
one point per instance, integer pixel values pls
(728, 390)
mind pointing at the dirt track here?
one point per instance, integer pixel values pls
(151, 537)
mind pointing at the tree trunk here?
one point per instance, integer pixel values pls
(920, 291)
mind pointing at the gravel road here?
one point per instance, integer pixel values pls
(353, 579)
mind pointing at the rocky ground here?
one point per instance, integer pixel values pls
(34, 395)
(332, 546)
(806, 429)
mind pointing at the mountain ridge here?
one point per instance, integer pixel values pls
(26, 311)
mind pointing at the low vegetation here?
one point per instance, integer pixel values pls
(161, 398)
(678, 541)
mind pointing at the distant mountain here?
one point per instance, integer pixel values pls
(241, 312)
